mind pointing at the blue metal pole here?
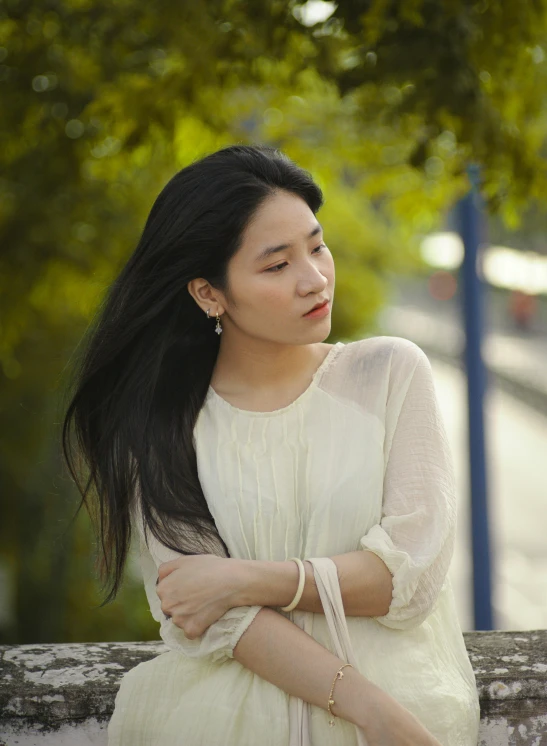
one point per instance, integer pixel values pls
(469, 214)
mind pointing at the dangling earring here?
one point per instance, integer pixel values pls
(218, 327)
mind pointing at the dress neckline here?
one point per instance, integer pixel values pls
(327, 360)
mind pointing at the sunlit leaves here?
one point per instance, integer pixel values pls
(385, 102)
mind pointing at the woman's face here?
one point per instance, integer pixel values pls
(271, 292)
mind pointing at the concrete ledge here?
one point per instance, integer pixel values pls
(64, 694)
(511, 671)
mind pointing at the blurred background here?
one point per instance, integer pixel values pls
(387, 104)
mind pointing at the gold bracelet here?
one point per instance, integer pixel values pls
(339, 675)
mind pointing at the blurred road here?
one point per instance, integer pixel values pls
(517, 449)
(516, 443)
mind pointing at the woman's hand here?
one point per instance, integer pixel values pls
(196, 590)
(387, 723)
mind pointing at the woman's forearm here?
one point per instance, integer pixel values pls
(280, 652)
(365, 584)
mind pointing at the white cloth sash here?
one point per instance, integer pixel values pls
(328, 585)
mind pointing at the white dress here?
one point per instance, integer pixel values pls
(359, 460)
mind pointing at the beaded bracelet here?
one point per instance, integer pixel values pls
(339, 675)
(300, 589)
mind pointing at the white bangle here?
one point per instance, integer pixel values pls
(300, 589)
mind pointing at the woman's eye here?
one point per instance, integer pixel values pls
(276, 268)
(279, 267)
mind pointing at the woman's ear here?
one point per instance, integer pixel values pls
(205, 296)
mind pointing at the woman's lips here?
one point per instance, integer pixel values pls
(323, 310)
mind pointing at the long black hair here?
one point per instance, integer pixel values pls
(149, 354)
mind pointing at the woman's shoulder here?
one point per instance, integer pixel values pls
(369, 370)
(395, 355)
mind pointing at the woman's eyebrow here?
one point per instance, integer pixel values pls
(275, 249)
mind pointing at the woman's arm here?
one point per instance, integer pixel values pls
(280, 652)
(365, 584)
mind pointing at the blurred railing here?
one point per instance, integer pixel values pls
(64, 694)
(510, 362)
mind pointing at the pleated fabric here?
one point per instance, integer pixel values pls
(360, 460)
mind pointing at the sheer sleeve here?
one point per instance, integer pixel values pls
(219, 640)
(416, 534)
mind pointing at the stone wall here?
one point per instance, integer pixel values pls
(57, 695)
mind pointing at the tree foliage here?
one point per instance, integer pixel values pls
(384, 102)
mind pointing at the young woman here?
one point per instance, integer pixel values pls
(293, 500)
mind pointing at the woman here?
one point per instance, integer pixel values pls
(222, 430)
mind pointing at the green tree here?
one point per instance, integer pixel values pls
(385, 102)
